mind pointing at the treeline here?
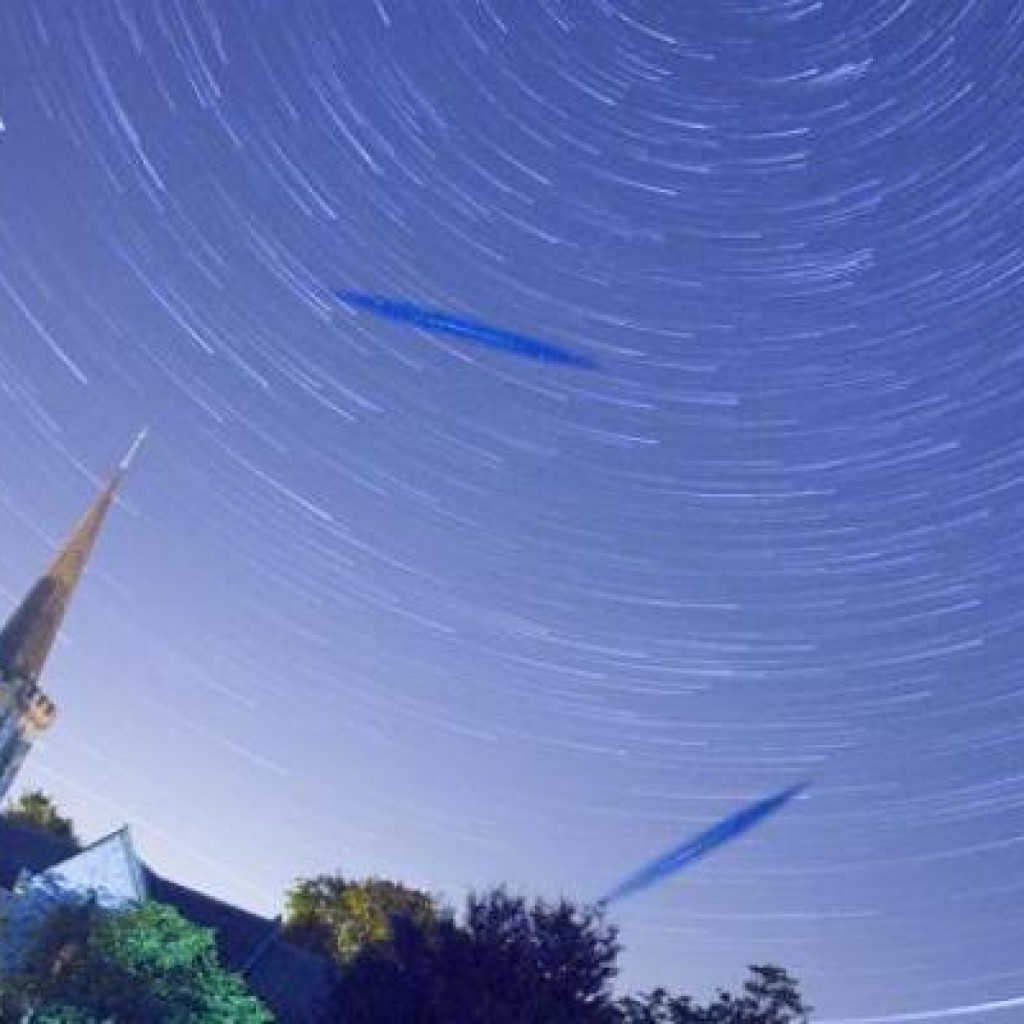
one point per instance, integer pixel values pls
(402, 957)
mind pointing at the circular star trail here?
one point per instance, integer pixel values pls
(429, 611)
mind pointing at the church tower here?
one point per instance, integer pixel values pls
(29, 634)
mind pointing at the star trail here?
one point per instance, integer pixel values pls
(415, 608)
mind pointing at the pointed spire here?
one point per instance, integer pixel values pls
(129, 456)
(29, 635)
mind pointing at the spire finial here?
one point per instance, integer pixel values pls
(129, 457)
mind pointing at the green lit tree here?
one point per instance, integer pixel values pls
(145, 965)
(61, 1015)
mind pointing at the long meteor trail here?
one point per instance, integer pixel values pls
(436, 321)
(701, 845)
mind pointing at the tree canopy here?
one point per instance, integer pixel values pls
(36, 809)
(146, 965)
(770, 996)
(505, 962)
(338, 917)
(502, 960)
(404, 957)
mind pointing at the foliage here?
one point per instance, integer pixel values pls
(340, 918)
(145, 965)
(408, 980)
(770, 996)
(660, 1007)
(558, 960)
(405, 959)
(507, 962)
(35, 809)
(62, 1014)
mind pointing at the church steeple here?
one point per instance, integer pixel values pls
(29, 635)
(30, 632)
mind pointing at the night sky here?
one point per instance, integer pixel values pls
(381, 601)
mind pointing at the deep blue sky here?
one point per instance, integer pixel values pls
(381, 602)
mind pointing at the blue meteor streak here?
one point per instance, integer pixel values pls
(701, 845)
(438, 322)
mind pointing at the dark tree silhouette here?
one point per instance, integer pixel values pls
(506, 962)
(770, 996)
(660, 1007)
(36, 809)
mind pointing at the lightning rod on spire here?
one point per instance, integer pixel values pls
(129, 457)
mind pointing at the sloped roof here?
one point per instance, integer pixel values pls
(110, 868)
(292, 981)
(239, 932)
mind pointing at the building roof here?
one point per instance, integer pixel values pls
(109, 868)
(292, 981)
